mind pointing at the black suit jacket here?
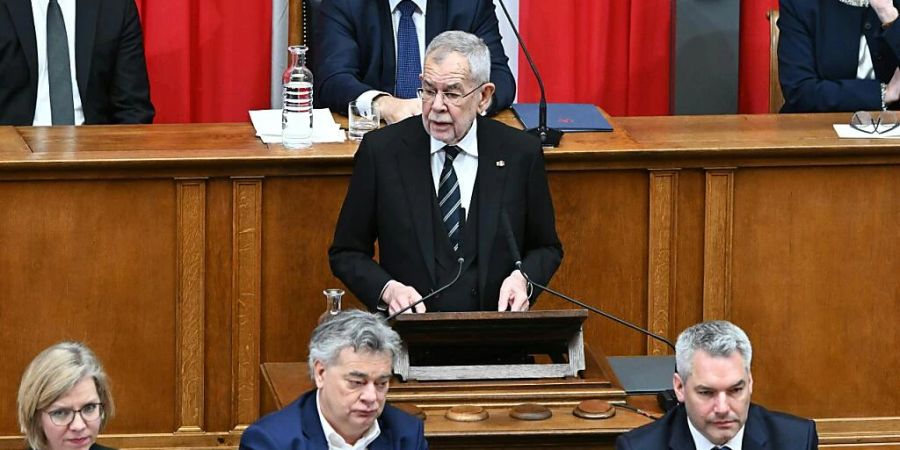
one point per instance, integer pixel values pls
(297, 427)
(390, 199)
(109, 63)
(764, 430)
(818, 55)
(354, 47)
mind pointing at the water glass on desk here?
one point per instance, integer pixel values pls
(362, 119)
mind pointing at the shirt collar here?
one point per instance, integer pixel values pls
(702, 443)
(468, 144)
(422, 4)
(335, 440)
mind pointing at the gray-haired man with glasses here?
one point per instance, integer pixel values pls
(433, 190)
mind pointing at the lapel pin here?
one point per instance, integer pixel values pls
(501, 163)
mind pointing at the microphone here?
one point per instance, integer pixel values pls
(549, 137)
(665, 397)
(460, 261)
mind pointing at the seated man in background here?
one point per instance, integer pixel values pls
(372, 51)
(436, 189)
(351, 356)
(838, 55)
(67, 62)
(713, 384)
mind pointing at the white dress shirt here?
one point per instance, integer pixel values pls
(864, 69)
(702, 443)
(419, 20)
(42, 115)
(335, 441)
(465, 164)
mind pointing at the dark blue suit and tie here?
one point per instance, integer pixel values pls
(818, 56)
(297, 427)
(764, 430)
(354, 47)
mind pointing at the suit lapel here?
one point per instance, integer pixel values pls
(681, 438)
(86, 12)
(309, 418)
(383, 441)
(435, 19)
(492, 180)
(840, 36)
(755, 435)
(414, 165)
(23, 21)
(389, 58)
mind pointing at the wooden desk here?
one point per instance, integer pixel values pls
(186, 255)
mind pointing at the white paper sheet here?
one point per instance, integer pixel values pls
(845, 131)
(268, 126)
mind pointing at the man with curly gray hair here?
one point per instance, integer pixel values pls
(713, 383)
(350, 359)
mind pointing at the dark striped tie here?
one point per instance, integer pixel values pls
(408, 66)
(59, 75)
(449, 199)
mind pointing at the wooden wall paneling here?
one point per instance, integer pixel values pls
(247, 269)
(687, 307)
(601, 218)
(219, 314)
(717, 243)
(817, 287)
(191, 269)
(662, 256)
(74, 265)
(299, 220)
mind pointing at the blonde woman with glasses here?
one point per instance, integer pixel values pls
(64, 399)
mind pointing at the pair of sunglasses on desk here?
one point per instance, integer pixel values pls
(868, 123)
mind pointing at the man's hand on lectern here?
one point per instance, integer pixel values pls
(398, 296)
(514, 293)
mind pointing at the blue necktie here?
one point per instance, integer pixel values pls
(408, 65)
(59, 75)
(449, 199)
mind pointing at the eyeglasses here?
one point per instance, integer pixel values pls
(865, 122)
(451, 98)
(65, 416)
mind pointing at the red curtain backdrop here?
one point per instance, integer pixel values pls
(753, 81)
(613, 53)
(208, 61)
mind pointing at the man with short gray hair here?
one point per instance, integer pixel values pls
(713, 383)
(351, 355)
(435, 189)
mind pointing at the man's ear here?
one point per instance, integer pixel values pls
(319, 372)
(678, 385)
(487, 96)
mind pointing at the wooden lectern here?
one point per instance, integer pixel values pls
(490, 345)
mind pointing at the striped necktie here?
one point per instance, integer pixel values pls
(408, 65)
(59, 75)
(449, 200)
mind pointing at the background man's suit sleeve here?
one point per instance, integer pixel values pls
(804, 88)
(487, 28)
(337, 55)
(129, 91)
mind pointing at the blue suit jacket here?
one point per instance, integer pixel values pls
(764, 430)
(818, 54)
(354, 47)
(297, 427)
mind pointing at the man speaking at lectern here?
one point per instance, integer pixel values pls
(435, 189)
